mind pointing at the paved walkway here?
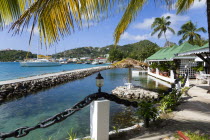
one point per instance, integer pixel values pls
(193, 114)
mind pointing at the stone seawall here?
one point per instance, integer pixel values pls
(16, 88)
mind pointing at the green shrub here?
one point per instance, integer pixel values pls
(169, 102)
(147, 111)
(184, 90)
(72, 135)
(198, 68)
(195, 136)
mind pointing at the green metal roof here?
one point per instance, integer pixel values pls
(197, 48)
(169, 53)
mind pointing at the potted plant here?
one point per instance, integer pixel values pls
(198, 68)
(153, 67)
(163, 69)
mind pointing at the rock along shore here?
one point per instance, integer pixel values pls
(19, 87)
(134, 93)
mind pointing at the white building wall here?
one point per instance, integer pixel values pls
(190, 63)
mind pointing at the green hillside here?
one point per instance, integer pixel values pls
(140, 50)
(14, 55)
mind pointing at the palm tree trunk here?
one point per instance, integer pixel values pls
(165, 38)
(129, 75)
(208, 19)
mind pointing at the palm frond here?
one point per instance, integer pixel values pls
(202, 29)
(170, 29)
(59, 18)
(168, 23)
(183, 5)
(180, 41)
(160, 34)
(131, 11)
(155, 30)
(10, 10)
(168, 17)
(197, 36)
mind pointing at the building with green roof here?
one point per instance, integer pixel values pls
(197, 50)
(172, 54)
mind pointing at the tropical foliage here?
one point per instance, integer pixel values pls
(115, 55)
(164, 66)
(189, 31)
(200, 42)
(56, 19)
(139, 51)
(14, 55)
(147, 111)
(199, 67)
(10, 10)
(169, 102)
(161, 25)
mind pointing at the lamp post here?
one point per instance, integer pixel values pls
(99, 115)
(99, 81)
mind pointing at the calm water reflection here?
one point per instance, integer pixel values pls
(34, 108)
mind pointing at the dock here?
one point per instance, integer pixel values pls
(37, 77)
(19, 87)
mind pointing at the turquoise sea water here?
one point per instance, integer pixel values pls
(13, 70)
(30, 110)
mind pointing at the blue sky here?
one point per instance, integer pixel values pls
(101, 34)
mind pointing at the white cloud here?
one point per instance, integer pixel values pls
(146, 24)
(88, 24)
(175, 20)
(35, 31)
(128, 36)
(199, 4)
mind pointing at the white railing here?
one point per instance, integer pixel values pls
(157, 75)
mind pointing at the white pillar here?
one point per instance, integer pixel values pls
(99, 120)
(172, 75)
(148, 69)
(156, 84)
(187, 84)
(157, 71)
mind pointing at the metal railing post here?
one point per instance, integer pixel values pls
(99, 120)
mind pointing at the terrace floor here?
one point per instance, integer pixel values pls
(192, 114)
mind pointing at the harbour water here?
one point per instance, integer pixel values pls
(30, 110)
(13, 70)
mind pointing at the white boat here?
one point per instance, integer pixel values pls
(39, 63)
(95, 63)
(64, 62)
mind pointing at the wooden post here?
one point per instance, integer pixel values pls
(99, 120)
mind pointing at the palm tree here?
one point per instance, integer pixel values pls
(161, 25)
(189, 31)
(58, 18)
(54, 18)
